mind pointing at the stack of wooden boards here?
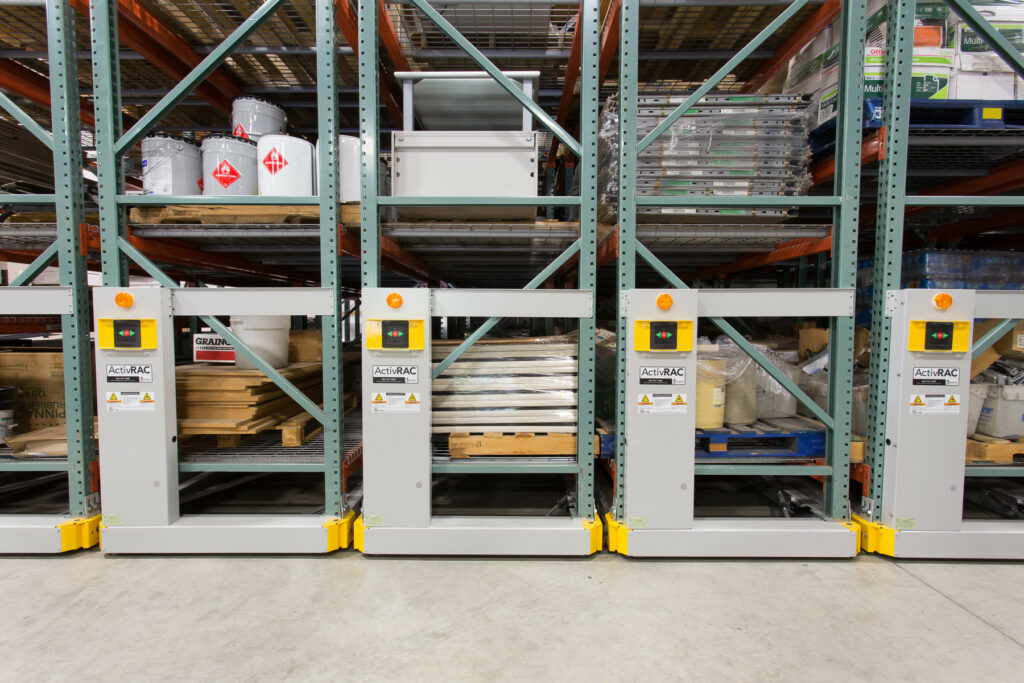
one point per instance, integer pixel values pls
(233, 403)
(508, 397)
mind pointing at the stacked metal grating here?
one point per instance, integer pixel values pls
(726, 145)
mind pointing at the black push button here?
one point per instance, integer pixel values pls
(664, 335)
(938, 336)
(395, 334)
(127, 334)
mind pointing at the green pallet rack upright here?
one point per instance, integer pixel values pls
(139, 450)
(915, 503)
(398, 514)
(654, 497)
(79, 526)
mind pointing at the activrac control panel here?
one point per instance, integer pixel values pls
(661, 367)
(926, 409)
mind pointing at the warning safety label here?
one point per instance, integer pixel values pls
(394, 402)
(674, 402)
(130, 401)
(934, 404)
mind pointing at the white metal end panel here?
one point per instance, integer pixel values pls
(494, 536)
(661, 389)
(926, 423)
(999, 539)
(396, 430)
(747, 537)
(137, 411)
(30, 534)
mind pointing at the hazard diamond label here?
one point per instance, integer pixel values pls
(225, 174)
(200, 184)
(274, 161)
(239, 131)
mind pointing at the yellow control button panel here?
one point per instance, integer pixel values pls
(395, 335)
(939, 336)
(126, 334)
(663, 335)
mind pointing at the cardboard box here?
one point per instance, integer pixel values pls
(977, 85)
(38, 377)
(305, 345)
(811, 341)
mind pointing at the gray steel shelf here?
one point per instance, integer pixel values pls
(496, 465)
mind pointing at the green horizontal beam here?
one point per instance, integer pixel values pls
(203, 200)
(33, 465)
(763, 470)
(995, 471)
(738, 202)
(962, 200)
(284, 467)
(479, 466)
(27, 199)
(542, 200)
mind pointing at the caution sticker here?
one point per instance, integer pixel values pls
(395, 402)
(130, 401)
(935, 404)
(674, 402)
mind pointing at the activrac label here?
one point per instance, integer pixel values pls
(671, 375)
(937, 377)
(129, 373)
(396, 374)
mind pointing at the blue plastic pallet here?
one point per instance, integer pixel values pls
(935, 115)
(793, 437)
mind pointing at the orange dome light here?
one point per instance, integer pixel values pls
(664, 301)
(124, 299)
(942, 301)
(395, 300)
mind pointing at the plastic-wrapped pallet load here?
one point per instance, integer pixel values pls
(980, 73)
(727, 145)
(773, 400)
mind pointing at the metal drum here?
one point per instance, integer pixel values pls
(252, 118)
(349, 171)
(229, 166)
(286, 166)
(171, 166)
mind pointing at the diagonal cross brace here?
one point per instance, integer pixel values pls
(536, 282)
(986, 340)
(738, 339)
(8, 105)
(220, 328)
(197, 75)
(37, 266)
(504, 81)
(726, 69)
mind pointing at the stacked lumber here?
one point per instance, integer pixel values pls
(229, 401)
(237, 215)
(507, 386)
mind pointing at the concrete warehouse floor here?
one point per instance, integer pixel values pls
(348, 617)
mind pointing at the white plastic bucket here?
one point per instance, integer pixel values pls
(266, 335)
(253, 118)
(171, 166)
(710, 412)
(285, 166)
(229, 166)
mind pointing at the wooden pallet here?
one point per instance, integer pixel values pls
(296, 431)
(465, 445)
(238, 215)
(983, 449)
